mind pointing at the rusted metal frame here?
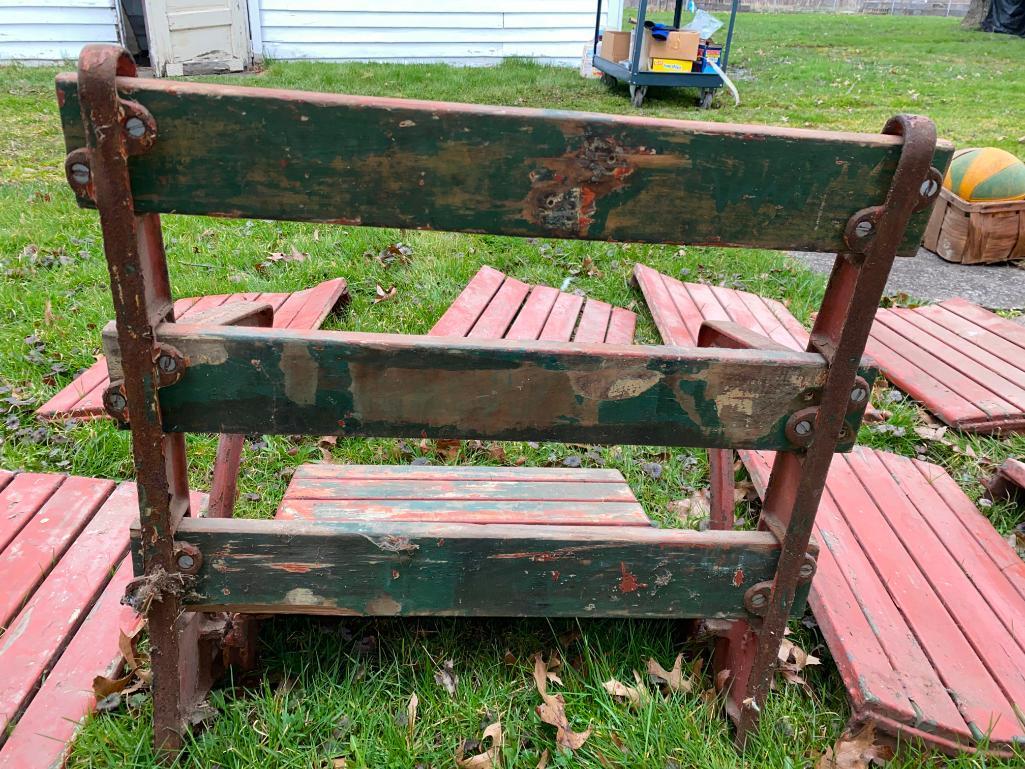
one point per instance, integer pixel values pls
(141, 292)
(839, 333)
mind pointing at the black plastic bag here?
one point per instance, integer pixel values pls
(1005, 16)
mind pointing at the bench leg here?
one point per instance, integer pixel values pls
(721, 502)
(224, 489)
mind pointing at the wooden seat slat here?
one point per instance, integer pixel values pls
(968, 363)
(463, 473)
(43, 734)
(594, 322)
(324, 488)
(562, 320)
(468, 306)
(22, 496)
(529, 512)
(500, 312)
(532, 316)
(42, 541)
(981, 338)
(621, 326)
(43, 628)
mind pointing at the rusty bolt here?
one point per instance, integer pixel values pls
(167, 363)
(758, 600)
(804, 427)
(864, 228)
(117, 401)
(80, 173)
(858, 394)
(187, 558)
(807, 571)
(929, 187)
(135, 127)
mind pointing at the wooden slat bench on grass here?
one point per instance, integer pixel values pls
(306, 309)
(61, 540)
(919, 599)
(964, 363)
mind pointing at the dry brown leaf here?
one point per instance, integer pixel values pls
(325, 444)
(635, 695)
(696, 505)
(339, 763)
(793, 656)
(383, 296)
(447, 678)
(448, 447)
(553, 710)
(543, 763)
(490, 757)
(855, 751)
(936, 434)
(721, 678)
(104, 687)
(674, 680)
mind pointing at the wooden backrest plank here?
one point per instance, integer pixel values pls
(273, 154)
(245, 380)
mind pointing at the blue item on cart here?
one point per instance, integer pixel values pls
(659, 31)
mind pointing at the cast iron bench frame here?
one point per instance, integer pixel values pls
(582, 176)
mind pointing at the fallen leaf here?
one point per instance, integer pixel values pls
(325, 444)
(553, 710)
(103, 686)
(635, 695)
(697, 505)
(414, 703)
(543, 763)
(447, 678)
(855, 751)
(673, 680)
(339, 763)
(48, 312)
(384, 296)
(447, 447)
(490, 757)
(936, 434)
(109, 703)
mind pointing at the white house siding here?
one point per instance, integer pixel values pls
(53, 30)
(457, 31)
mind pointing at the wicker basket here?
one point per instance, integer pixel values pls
(976, 233)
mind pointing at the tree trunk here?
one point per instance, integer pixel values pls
(977, 11)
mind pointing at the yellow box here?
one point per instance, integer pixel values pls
(671, 65)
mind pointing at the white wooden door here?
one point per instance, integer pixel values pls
(197, 36)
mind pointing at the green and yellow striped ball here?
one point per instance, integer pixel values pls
(986, 174)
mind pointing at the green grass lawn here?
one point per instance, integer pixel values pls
(330, 689)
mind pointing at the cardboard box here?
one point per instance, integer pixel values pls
(615, 46)
(671, 65)
(679, 45)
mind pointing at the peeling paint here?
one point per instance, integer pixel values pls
(301, 373)
(628, 583)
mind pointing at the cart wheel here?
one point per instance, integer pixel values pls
(637, 94)
(607, 80)
(707, 95)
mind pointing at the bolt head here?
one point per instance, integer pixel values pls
(117, 401)
(929, 188)
(167, 364)
(186, 561)
(758, 599)
(864, 228)
(804, 427)
(135, 127)
(858, 394)
(806, 570)
(80, 173)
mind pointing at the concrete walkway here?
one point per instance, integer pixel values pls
(927, 276)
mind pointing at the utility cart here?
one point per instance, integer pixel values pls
(707, 79)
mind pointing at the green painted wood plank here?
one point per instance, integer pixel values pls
(393, 568)
(272, 154)
(246, 380)
(462, 473)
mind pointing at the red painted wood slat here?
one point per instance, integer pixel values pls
(532, 317)
(44, 732)
(466, 511)
(451, 490)
(499, 314)
(663, 310)
(980, 337)
(6, 476)
(43, 540)
(464, 473)
(44, 626)
(22, 496)
(621, 327)
(594, 322)
(563, 318)
(471, 302)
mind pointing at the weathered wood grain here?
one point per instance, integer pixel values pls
(398, 568)
(271, 154)
(243, 380)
